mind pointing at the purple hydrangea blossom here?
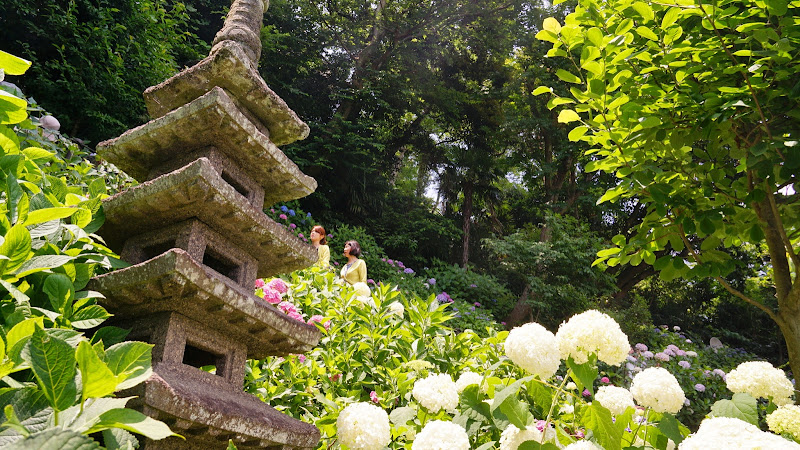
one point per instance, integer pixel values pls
(684, 364)
(699, 387)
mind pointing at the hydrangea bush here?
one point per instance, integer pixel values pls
(527, 388)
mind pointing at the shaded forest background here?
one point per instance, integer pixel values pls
(424, 132)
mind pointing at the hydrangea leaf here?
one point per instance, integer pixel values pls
(671, 428)
(598, 419)
(741, 406)
(584, 374)
(53, 362)
(56, 439)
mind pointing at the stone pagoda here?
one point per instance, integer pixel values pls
(197, 237)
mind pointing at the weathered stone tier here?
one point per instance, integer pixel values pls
(174, 282)
(211, 120)
(198, 191)
(207, 414)
(229, 67)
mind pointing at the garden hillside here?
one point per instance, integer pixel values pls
(579, 219)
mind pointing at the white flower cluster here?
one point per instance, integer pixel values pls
(513, 437)
(730, 433)
(785, 419)
(441, 435)
(397, 308)
(534, 349)
(616, 399)
(593, 332)
(466, 379)
(658, 389)
(583, 445)
(436, 392)
(761, 379)
(362, 426)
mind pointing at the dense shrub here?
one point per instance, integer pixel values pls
(53, 377)
(394, 352)
(472, 287)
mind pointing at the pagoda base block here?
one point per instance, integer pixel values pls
(208, 418)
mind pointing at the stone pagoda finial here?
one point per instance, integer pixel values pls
(243, 25)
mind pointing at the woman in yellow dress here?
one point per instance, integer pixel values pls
(356, 269)
(320, 240)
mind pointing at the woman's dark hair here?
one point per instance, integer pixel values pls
(355, 249)
(321, 231)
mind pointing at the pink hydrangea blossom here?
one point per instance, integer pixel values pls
(259, 283)
(271, 296)
(287, 307)
(605, 380)
(283, 217)
(295, 315)
(319, 319)
(301, 358)
(374, 397)
(662, 356)
(278, 285)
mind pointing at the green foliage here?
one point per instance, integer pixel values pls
(365, 347)
(694, 108)
(471, 287)
(557, 269)
(54, 379)
(98, 54)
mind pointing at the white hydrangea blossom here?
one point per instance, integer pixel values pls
(761, 379)
(362, 426)
(466, 379)
(593, 332)
(730, 433)
(658, 389)
(512, 437)
(397, 308)
(615, 399)
(534, 349)
(436, 392)
(785, 419)
(441, 435)
(583, 445)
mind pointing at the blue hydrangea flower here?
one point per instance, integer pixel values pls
(284, 208)
(291, 212)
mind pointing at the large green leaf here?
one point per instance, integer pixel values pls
(12, 109)
(89, 317)
(59, 290)
(741, 406)
(13, 65)
(133, 421)
(598, 419)
(47, 214)
(16, 247)
(130, 361)
(53, 362)
(96, 378)
(585, 373)
(671, 428)
(117, 439)
(81, 417)
(56, 439)
(19, 335)
(40, 263)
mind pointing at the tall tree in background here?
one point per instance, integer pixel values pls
(92, 59)
(696, 109)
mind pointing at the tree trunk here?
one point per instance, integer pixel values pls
(789, 323)
(467, 212)
(522, 312)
